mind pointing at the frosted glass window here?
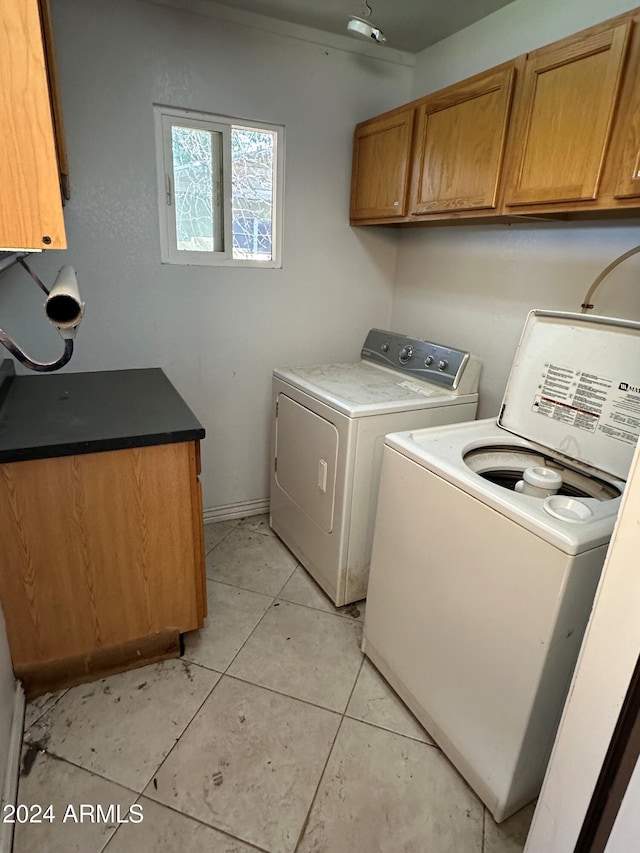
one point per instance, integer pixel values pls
(196, 181)
(220, 189)
(253, 164)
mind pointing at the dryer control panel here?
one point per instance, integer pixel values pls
(420, 359)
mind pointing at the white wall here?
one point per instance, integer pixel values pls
(217, 332)
(470, 285)
(7, 693)
(521, 26)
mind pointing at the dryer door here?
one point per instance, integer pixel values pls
(306, 457)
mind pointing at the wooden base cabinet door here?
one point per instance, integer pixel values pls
(563, 117)
(381, 163)
(97, 551)
(460, 140)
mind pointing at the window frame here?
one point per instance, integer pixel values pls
(166, 117)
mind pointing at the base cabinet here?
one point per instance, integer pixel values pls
(101, 555)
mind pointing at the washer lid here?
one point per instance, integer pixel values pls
(574, 388)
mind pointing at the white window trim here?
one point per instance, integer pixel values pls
(169, 254)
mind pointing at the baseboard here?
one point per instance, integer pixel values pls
(241, 509)
(10, 789)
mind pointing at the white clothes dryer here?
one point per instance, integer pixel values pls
(489, 542)
(329, 423)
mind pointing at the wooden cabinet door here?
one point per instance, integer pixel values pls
(99, 550)
(381, 159)
(563, 117)
(460, 144)
(622, 169)
(628, 185)
(30, 200)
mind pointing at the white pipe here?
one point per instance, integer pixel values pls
(587, 304)
(63, 305)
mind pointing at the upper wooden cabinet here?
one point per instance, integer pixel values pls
(555, 132)
(459, 144)
(628, 183)
(381, 161)
(621, 178)
(563, 118)
(30, 198)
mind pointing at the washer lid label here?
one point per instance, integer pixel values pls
(588, 401)
(572, 396)
(574, 388)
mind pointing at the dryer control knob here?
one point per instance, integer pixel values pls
(428, 361)
(443, 364)
(385, 347)
(405, 354)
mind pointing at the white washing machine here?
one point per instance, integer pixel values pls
(329, 423)
(489, 542)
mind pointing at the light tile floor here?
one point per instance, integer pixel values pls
(272, 734)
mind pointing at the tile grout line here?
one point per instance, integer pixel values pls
(55, 757)
(305, 822)
(184, 731)
(298, 565)
(243, 588)
(233, 586)
(287, 600)
(433, 745)
(253, 630)
(121, 784)
(138, 794)
(43, 711)
(188, 817)
(235, 526)
(277, 595)
(273, 690)
(320, 610)
(117, 829)
(260, 686)
(342, 715)
(285, 695)
(213, 547)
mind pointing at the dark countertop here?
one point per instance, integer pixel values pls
(69, 413)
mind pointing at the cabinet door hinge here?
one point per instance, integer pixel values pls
(169, 195)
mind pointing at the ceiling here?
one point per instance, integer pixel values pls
(409, 25)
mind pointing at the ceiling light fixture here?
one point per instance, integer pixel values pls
(365, 29)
